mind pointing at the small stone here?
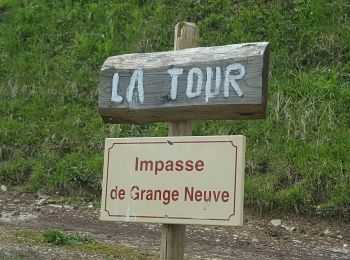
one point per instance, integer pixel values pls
(217, 240)
(276, 222)
(68, 207)
(340, 236)
(39, 195)
(254, 240)
(41, 202)
(296, 241)
(55, 206)
(345, 245)
(3, 188)
(90, 206)
(342, 251)
(327, 232)
(289, 228)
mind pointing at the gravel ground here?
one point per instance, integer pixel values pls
(260, 238)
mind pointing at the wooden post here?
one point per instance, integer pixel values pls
(173, 236)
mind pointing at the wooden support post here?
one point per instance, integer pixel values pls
(173, 236)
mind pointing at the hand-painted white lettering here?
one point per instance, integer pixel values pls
(189, 92)
(231, 79)
(136, 76)
(115, 82)
(208, 93)
(237, 70)
(174, 73)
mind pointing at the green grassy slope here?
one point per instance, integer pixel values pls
(51, 135)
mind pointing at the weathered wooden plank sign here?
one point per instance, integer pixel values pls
(222, 82)
(183, 180)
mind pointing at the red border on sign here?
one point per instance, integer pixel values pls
(172, 217)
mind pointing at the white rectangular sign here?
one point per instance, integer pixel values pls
(179, 180)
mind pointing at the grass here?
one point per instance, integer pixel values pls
(51, 135)
(58, 237)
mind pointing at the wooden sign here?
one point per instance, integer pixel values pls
(222, 82)
(182, 180)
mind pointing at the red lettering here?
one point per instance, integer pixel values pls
(192, 194)
(189, 165)
(145, 164)
(117, 194)
(216, 195)
(169, 165)
(142, 193)
(225, 196)
(134, 193)
(179, 165)
(149, 195)
(157, 193)
(166, 197)
(113, 194)
(198, 195)
(175, 195)
(207, 196)
(136, 164)
(159, 166)
(199, 165)
(121, 194)
(188, 193)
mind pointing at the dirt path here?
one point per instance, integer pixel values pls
(257, 239)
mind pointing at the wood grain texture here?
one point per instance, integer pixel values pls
(158, 105)
(173, 241)
(186, 36)
(173, 236)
